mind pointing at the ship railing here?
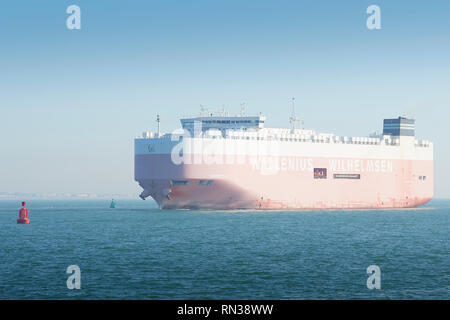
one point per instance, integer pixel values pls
(315, 138)
(423, 143)
(296, 137)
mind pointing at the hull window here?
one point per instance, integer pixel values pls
(205, 182)
(179, 182)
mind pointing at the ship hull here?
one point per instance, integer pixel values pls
(286, 183)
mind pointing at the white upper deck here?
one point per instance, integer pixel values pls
(252, 128)
(223, 123)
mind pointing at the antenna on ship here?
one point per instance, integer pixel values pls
(293, 119)
(242, 109)
(408, 113)
(202, 110)
(158, 121)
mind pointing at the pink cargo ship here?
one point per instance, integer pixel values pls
(236, 163)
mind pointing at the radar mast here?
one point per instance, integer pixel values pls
(293, 119)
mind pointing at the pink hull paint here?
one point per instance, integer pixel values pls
(391, 184)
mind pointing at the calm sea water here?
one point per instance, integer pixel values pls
(139, 252)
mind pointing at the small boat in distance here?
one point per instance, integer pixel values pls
(113, 204)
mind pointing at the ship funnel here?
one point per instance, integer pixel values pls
(400, 126)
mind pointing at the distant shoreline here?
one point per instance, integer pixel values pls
(28, 197)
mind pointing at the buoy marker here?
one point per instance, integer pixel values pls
(23, 215)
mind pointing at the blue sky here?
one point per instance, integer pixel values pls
(71, 101)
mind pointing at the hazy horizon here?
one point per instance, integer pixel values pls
(71, 101)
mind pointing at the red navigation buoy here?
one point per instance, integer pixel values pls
(23, 215)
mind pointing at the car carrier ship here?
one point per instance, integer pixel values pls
(224, 162)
